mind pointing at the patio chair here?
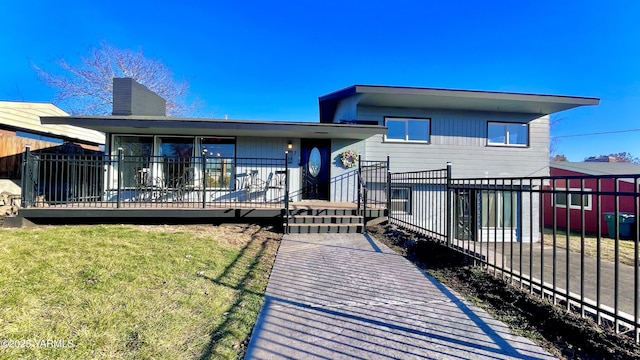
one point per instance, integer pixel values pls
(252, 184)
(278, 185)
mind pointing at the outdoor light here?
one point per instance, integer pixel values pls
(289, 146)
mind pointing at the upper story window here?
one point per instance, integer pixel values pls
(511, 134)
(406, 129)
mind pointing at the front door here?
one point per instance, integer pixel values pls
(314, 163)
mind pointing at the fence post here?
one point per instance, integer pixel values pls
(119, 179)
(26, 155)
(203, 164)
(449, 207)
(286, 192)
(359, 181)
(388, 190)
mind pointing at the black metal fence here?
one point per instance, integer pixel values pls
(572, 239)
(372, 185)
(153, 181)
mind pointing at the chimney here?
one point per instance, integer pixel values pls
(132, 98)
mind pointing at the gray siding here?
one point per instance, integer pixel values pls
(461, 138)
(347, 109)
(264, 147)
(344, 181)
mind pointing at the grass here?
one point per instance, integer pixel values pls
(124, 292)
(626, 248)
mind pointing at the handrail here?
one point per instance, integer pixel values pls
(286, 192)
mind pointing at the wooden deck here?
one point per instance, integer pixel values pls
(150, 212)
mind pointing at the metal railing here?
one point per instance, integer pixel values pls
(418, 201)
(153, 181)
(372, 186)
(571, 239)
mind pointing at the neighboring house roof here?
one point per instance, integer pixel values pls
(415, 97)
(597, 168)
(25, 116)
(159, 125)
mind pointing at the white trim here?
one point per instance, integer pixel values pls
(506, 134)
(577, 207)
(406, 130)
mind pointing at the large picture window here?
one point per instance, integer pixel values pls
(174, 161)
(512, 134)
(409, 130)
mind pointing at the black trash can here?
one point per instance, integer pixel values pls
(625, 224)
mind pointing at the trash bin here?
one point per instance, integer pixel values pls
(625, 224)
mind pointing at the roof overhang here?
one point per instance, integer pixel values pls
(471, 100)
(153, 125)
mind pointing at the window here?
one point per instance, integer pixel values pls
(220, 157)
(575, 200)
(498, 209)
(137, 152)
(508, 134)
(401, 200)
(410, 130)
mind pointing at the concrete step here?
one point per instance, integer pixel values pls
(325, 219)
(325, 228)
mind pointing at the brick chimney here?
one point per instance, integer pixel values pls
(132, 98)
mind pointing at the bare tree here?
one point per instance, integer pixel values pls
(623, 157)
(86, 88)
(554, 121)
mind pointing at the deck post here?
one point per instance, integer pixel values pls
(203, 164)
(286, 192)
(119, 179)
(26, 156)
(359, 180)
(449, 205)
(388, 190)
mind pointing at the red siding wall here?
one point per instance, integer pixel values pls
(607, 202)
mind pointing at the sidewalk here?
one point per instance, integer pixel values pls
(339, 296)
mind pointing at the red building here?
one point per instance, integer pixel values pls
(574, 193)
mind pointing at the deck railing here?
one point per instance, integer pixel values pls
(153, 181)
(571, 239)
(372, 185)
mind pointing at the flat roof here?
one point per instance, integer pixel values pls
(434, 98)
(25, 116)
(158, 125)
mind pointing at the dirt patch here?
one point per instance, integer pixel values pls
(564, 334)
(237, 235)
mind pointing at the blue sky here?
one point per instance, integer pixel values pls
(270, 60)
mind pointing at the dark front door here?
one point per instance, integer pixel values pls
(314, 163)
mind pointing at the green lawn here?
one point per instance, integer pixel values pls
(626, 248)
(124, 292)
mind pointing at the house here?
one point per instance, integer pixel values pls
(580, 180)
(236, 162)
(484, 134)
(20, 126)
